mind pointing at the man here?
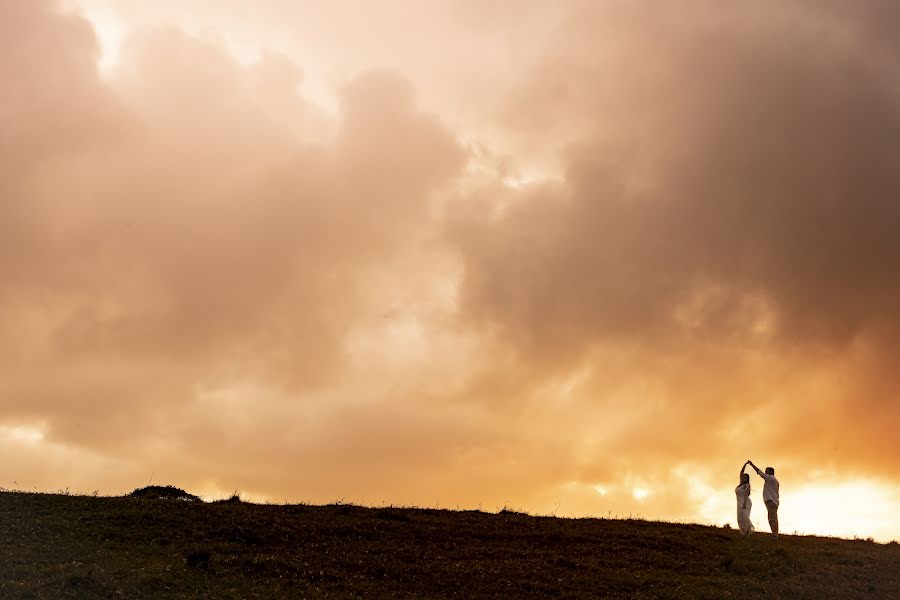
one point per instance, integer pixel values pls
(770, 495)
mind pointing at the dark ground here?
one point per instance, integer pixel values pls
(58, 546)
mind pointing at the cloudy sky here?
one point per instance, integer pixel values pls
(582, 257)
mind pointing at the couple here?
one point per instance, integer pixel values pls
(770, 497)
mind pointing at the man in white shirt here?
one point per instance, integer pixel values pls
(770, 495)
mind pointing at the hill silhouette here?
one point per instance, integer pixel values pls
(61, 546)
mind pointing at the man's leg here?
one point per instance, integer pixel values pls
(773, 517)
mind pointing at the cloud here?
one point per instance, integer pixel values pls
(174, 229)
(725, 228)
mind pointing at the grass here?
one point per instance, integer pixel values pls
(64, 546)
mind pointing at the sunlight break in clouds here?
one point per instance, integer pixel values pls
(110, 36)
(581, 257)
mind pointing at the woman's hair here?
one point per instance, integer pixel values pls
(745, 478)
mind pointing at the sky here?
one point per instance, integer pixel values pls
(580, 258)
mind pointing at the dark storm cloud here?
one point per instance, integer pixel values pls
(731, 192)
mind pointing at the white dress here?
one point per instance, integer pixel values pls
(744, 504)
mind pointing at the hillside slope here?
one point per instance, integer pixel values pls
(57, 546)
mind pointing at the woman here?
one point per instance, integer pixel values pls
(742, 491)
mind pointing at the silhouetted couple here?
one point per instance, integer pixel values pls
(770, 497)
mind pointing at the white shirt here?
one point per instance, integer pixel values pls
(770, 487)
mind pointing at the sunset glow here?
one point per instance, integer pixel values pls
(853, 509)
(576, 258)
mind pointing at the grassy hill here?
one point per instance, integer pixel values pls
(59, 546)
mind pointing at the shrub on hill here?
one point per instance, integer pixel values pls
(164, 492)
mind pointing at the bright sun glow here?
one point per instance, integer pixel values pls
(845, 510)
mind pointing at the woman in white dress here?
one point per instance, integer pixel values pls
(744, 504)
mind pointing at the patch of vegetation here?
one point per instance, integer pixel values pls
(233, 499)
(59, 546)
(506, 510)
(163, 492)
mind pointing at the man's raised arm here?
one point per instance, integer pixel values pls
(755, 468)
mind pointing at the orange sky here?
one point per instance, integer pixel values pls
(582, 257)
